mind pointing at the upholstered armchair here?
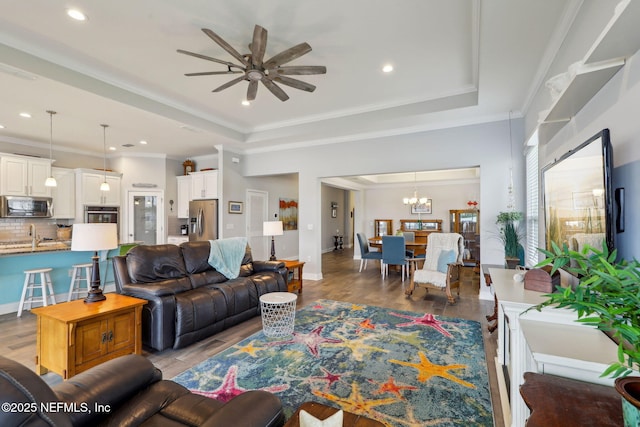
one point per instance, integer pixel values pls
(442, 265)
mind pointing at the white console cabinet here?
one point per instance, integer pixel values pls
(547, 341)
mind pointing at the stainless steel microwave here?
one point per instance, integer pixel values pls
(25, 207)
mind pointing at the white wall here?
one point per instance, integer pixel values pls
(386, 203)
(484, 145)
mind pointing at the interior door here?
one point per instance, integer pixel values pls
(145, 219)
(257, 205)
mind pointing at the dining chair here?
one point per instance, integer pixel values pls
(393, 253)
(409, 237)
(442, 265)
(365, 253)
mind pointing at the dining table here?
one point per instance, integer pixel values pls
(417, 248)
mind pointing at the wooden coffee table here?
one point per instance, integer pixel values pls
(322, 412)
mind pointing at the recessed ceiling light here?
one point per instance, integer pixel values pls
(143, 142)
(246, 103)
(1, 126)
(25, 115)
(76, 14)
(387, 68)
(112, 148)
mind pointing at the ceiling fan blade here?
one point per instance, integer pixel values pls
(208, 58)
(212, 73)
(275, 89)
(258, 45)
(300, 70)
(229, 83)
(298, 84)
(226, 46)
(252, 90)
(288, 55)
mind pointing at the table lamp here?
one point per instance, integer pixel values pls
(272, 228)
(94, 237)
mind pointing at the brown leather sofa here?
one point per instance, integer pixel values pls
(188, 299)
(123, 392)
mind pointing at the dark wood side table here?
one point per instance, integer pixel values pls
(564, 402)
(295, 275)
(322, 412)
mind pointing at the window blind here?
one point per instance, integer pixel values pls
(532, 184)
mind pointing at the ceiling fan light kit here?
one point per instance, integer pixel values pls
(254, 69)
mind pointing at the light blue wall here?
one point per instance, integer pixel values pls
(13, 266)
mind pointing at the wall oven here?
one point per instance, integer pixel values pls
(101, 214)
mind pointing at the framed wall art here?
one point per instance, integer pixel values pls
(422, 208)
(235, 207)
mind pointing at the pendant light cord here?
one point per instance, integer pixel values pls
(51, 113)
(104, 150)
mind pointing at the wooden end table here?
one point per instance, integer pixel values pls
(322, 412)
(75, 336)
(295, 270)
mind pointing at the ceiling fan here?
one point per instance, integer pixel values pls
(254, 69)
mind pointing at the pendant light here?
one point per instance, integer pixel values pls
(414, 200)
(50, 181)
(105, 185)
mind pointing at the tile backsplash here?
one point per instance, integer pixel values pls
(17, 229)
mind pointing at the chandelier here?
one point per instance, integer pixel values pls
(414, 200)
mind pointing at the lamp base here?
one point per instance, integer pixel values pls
(95, 293)
(273, 250)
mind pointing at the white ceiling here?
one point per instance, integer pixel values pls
(456, 62)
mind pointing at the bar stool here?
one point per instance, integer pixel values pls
(77, 277)
(30, 284)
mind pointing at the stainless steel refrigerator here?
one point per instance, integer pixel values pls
(203, 220)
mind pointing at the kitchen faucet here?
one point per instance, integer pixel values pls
(34, 236)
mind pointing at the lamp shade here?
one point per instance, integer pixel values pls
(272, 228)
(94, 237)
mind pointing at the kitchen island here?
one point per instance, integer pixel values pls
(17, 257)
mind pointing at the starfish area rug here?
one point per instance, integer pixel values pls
(398, 367)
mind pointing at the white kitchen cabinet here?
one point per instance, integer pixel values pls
(88, 188)
(184, 195)
(204, 185)
(64, 193)
(24, 176)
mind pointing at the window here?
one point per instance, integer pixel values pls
(531, 160)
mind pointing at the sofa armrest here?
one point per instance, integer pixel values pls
(252, 408)
(108, 384)
(260, 266)
(151, 290)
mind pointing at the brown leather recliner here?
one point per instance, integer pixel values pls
(127, 391)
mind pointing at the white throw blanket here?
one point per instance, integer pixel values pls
(226, 255)
(438, 242)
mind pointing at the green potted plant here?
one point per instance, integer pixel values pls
(607, 297)
(510, 234)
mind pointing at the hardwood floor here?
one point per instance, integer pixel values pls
(341, 282)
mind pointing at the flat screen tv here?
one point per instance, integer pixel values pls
(578, 198)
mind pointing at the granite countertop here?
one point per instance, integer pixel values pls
(26, 247)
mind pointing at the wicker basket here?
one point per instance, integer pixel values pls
(64, 233)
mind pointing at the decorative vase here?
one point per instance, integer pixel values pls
(512, 262)
(629, 389)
